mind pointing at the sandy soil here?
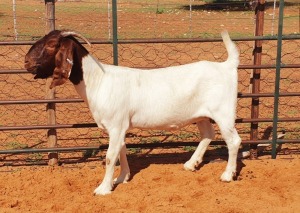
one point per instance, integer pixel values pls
(159, 184)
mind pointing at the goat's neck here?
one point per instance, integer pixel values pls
(92, 75)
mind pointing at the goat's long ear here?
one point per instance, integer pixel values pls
(63, 63)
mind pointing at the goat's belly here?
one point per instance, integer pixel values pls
(164, 124)
(168, 118)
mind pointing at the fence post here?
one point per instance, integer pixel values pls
(277, 78)
(255, 80)
(50, 93)
(15, 20)
(115, 31)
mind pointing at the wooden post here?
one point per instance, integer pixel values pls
(15, 20)
(255, 80)
(50, 93)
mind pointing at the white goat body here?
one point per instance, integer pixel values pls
(121, 98)
(167, 98)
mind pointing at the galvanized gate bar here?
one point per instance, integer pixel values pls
(78, 100)
(245, 66)
(277, 78)
(90, 125)
(115, 32)
(146, 145)
(165, 40)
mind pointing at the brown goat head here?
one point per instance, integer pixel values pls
(57, 54)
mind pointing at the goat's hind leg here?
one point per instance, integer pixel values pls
(207, 134)
(233, 142)
(125, 171)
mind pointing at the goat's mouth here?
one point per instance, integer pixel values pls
(40, 75)
(31, 68)
(35, 70)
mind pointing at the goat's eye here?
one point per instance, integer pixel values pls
(51, 45)
(49, 48)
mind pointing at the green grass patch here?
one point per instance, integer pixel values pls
(189, 148)
(16, 145)
(35, 157)
(134, 150)
(90, 153)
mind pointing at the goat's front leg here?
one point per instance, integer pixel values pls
(125, 171)
(116, 141)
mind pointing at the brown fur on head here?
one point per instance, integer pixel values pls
(56, 54)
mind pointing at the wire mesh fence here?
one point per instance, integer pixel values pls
(156, 23)
(145, 19)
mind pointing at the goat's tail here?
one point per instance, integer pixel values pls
(233, 53)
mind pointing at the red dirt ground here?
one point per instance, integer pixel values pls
(159, 184)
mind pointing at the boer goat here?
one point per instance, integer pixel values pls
(121, 98)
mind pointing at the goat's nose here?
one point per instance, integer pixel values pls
(26, 64)
(26, 59)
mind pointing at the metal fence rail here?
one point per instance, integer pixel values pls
(265, 74)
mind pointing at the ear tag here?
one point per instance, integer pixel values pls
(70, 62)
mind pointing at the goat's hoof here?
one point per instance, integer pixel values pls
(102, 190)
(189, 166)
(227, 176)
(122, 179)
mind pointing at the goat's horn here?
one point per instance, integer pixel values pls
(71, 33)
